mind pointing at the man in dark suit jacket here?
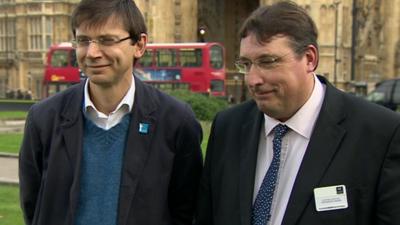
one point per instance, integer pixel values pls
(339, 161)
(146, 168)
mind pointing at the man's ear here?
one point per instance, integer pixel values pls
(312, 58)
(140, 46)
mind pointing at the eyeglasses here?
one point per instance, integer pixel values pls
(265, 63)
(106, 41)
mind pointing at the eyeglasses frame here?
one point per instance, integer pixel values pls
(257, 64)
(75, 43)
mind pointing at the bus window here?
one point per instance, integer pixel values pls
(147, 59)
(59, 58)
(74, 63)
(217, 86)
(166, 58)
(216, 57)
(190, 57)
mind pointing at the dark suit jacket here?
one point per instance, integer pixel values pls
(160, 170)
(354, 143)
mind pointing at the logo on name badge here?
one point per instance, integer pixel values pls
(339, 190)
(330, 198)
(144, 128)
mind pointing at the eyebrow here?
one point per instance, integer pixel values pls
(100, 36)
(259, 57)
(81, 36)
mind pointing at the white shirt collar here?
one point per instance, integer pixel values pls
(127, 101)
(302, 122)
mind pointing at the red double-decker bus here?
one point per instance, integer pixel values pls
(200, 67)
(61, 70)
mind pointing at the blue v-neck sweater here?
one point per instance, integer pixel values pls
(101, 173)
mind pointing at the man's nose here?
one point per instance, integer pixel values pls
(253, 76)
(93, 50)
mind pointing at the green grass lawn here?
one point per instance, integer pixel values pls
(13, 115)
(17, 101)
(10, 211)
(206, 125)
(10, 143)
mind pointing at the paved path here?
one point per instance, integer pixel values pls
(8, 170)
(12, 126)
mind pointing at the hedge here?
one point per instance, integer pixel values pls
(205, 107)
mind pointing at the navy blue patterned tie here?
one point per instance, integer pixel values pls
(261, 213)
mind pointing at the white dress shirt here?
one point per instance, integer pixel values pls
(294, 145)
(108, 121)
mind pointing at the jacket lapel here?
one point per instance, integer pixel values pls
(138, 146)
(324, 142)
(71, 126)
(250, 134)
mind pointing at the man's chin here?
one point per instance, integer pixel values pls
(267, 107)
(263, 105)
(99, 80)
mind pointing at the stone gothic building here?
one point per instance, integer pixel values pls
(359, 39)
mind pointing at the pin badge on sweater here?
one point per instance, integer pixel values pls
(144, 128)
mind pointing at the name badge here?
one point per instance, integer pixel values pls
(330, 198)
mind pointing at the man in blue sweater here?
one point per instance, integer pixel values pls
(110, 150)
